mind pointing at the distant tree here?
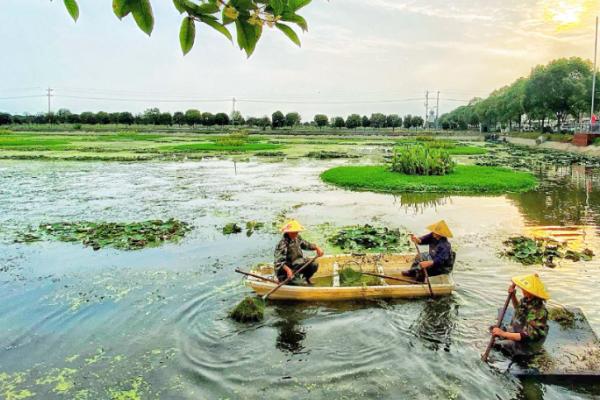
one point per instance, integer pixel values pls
(62, 115)
(264, 122)
(277, 120)
(378, 120)
(417, 121)
(338, 122)
(5, 119)
(179, 118)
(208, 119)
(321, 120)
(292, 119)
(365, 122)
(73, 119)
(88, 118)
(113, 117)
(353, 121)
(151, 116)
(221, 119)
(407, 121)
(102, 118)
(237, 118)
(193, 117)
(125, 118)
(165, 119)
(393, 121)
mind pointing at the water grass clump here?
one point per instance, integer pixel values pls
(421, 160)
(251, 309)
(118, 235)
(367, 237)
(528, 251)
(231, 228)
(328, 155)
(562, 316)
(350, 277)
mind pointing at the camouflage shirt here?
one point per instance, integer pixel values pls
(531, 319)
(289, 250)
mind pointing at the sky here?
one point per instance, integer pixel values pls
(358, 56)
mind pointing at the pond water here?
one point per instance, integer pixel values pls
(78, 323)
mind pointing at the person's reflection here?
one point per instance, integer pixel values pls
(291, 332)
(436, 321)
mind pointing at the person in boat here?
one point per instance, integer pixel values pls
(529, 326)
(440, 258)
(288, 253)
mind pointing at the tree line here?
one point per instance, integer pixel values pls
(549, 96)
(194, 118)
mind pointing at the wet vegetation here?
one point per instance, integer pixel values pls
(464, 179)
(421, 160)
(528, 251)
(565, 318)
(530, 158)
(326, 155)
(118, 235)
(231, 228)
(250, 309)
(351, 277)
(370, 238)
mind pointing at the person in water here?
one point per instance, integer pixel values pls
(529, 326)
(440, 258)
(288, 253)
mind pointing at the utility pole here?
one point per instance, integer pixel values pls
(49, 91)
(594, 80)
(437, 110)
(233, 105)
(426, 106)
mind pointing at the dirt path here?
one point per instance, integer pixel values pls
(589, 150)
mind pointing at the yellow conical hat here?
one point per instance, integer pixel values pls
(533, 284)
(441, 229)
(292, 226)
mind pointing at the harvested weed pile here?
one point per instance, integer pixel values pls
(251, 309)
(529, 251)
(350, 277)
(565, 318)
(327, 155)
(367, 237)
(123, 236)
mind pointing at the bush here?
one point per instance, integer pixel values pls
(420, 160)
(233, 139)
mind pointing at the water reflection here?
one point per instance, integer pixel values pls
(436, 322)
(420, 202)
(291, 332)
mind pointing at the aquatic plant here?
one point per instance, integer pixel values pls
(250, 309)
(562, 316)
(253, 226)
(464, 179)
(326, 155)
(367, 237)
(528, 251)
(231, 228)
(529, 158)
(269, 154)
(351, 277)
(421, 160)
(119, 235)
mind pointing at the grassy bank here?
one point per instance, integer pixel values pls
(465, 179)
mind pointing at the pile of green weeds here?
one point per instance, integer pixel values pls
(371, 238)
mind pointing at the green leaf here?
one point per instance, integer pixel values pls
(289, 32)
(121, 8)
(297, 19)
(72, 8)
(187, 34)
(142, 13)
(180, 5)
(277, 6)
(295, 5)
(247, 35)
(217, 26)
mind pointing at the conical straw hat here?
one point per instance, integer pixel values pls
(292, 226)
(533, 284)
(441, 229)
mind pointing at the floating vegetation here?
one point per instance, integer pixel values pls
(351, 277)
(367, 237)
(327, 155)
(231, 228)
(523, 157)
(118, 235)
(269, 154)
(251, 309)
(529, 251)
(562, 316)
(252, 226)
(421, 160)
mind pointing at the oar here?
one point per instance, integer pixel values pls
(424, 271)
(239, 271)
(485, 355)
(266, 296)
(392, 278)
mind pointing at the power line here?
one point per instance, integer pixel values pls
(22, 97)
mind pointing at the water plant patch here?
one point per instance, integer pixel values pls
(118, 235)
(351, 277)
(327, 155)
(421, 160)
(370, 238)
(528, 251)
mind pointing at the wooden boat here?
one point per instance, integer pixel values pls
(327, 283)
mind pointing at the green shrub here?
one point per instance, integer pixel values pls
(422, 160)
(233, 139)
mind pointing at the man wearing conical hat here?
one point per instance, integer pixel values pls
(440, 258)
(289, 256)
(529, 327)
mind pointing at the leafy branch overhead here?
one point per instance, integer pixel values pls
(248, 16)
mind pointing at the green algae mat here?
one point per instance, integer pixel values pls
(464, 179)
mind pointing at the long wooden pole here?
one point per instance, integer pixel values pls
(485, 355)
(424, 271)
(239, 271)
(392, 278)
(266, 296)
